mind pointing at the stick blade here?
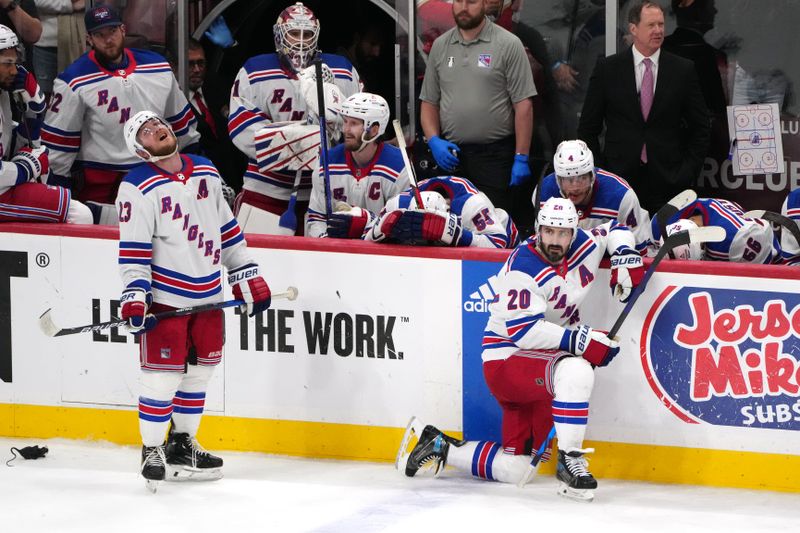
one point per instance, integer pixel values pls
(47, 325)
(755, 213)
(682, 199)
(707, 234)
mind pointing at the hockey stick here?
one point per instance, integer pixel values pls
(323, 136)
(50, 328)
(781, 220)
(694, 235)
(288, 220)
(671, 208)
(412, 176)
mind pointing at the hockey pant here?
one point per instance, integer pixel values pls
(572, 382)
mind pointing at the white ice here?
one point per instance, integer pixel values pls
(94, 487)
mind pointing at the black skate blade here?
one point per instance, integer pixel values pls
(187, 473)
(579, 495)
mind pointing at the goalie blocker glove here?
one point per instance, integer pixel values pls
(592, 344)
(627, 271)
(134, 309)
(251, 288)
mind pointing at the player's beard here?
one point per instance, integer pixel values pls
(552, 252)
(352, 143)
(168, 148)
(465, 22)
(111, 54)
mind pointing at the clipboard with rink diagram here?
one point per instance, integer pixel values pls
(756, 144)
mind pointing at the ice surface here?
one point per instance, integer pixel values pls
(94, 487)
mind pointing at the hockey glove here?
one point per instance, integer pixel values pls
(444, 152)
(383, 228)
(521, 171)
(593, 345)
(348, 225)
(332, 93)
(627, 271)
(250, 287)
(27, 88)
(134, 309)
(418, 226)
(31, 163)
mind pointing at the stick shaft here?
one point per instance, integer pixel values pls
(323, 137)
(412, 177)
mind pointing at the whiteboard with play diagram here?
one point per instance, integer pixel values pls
(756, 145)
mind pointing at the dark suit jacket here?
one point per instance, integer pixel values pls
(676, 131)
(230, 162)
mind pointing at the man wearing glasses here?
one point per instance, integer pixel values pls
(599, 196)
(93, 98)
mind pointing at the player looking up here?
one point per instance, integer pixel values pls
(175, 233)
(538, 355)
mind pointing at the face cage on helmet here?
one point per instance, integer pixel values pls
(299, 53)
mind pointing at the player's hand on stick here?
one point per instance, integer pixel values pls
(333, 95)
(593, 345)
(444, 152)
(383, 228)
(134, 309)
(27, 88)
(32, 162)
(627, 271)
(348, 225)
(249, 286)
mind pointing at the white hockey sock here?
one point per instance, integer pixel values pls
(190, 399)
(155, 404)
(572, 383)
(486, 460)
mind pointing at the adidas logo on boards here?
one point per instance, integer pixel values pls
(479, 300)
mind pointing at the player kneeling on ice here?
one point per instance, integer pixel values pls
(176, 233)
(537, 356)
(747, 239)
(455, 213)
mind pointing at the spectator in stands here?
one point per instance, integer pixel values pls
(91, 100)
(23, 198)
(364, 172)
(598, 196)
(280, 88)
(209, 103)
(484, 132)
(455, 213)
(660, 151)
(45, 51)
(22, 18)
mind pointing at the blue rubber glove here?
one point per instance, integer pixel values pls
(219, 33)
(442, 153)
(521, 171)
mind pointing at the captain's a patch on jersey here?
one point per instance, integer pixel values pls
(485, 60)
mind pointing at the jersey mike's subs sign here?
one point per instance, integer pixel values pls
(727, 357)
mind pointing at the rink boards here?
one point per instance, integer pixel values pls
(705, 391)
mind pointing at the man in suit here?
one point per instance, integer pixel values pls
(656, 120)
(210, 105)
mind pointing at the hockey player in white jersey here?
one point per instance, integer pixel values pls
(598, 195)
(273, 89)
(537, 353)
(747, 240)
(176, 234)
(364, 172)
(24, 162)
(790, 248)
(91, 101)
(456, 214)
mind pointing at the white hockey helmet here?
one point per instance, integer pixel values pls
(131, 132)
(572, 159)
(8, 39)
(432, 201)
(558, 213)
(298, 51)
(370, 108)
(692, 251)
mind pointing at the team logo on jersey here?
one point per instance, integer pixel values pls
(485, 60)
(450, 61)
(727, 357)
(165, 353)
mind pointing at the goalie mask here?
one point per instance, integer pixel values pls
(296, 33)
(369, 108)
(131, 132)
(692, 251)
(573, 159)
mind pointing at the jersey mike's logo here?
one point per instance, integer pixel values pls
(725, 357)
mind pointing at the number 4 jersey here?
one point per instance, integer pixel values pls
(536, 301)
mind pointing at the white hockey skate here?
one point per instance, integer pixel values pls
(572, 471)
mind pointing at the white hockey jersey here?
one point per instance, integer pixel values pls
(535, 301)
(489, 226)
(611, 199)
(176, 232)
(90, 104)
(790, 248)
(265, 92)
(367, 187)
(12, 139)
